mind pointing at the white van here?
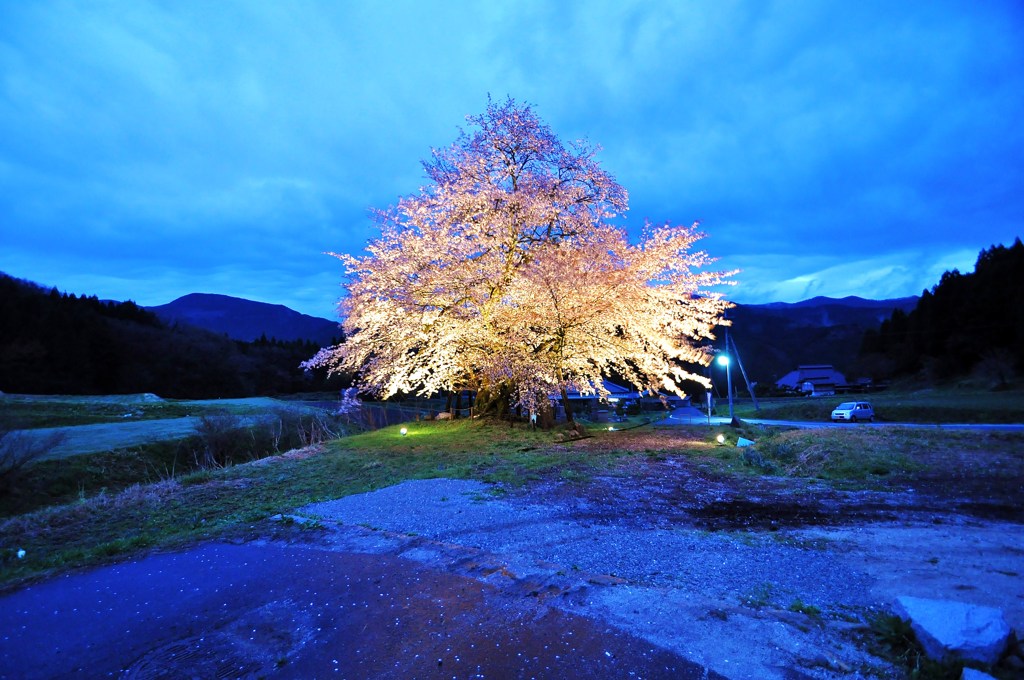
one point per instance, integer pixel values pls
(852, 411)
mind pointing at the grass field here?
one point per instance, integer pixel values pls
(931, 406)
(30, 411)
(84, 510)
(78, 510)
(210, 503)
(157, 510)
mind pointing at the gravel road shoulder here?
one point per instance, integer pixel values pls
(776, 602)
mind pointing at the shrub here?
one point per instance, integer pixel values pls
(219, 441)
(224, 440)
(18, 449)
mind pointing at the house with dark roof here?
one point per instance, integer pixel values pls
(815, 380)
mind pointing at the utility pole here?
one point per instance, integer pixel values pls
(739, 362)
(724, 360)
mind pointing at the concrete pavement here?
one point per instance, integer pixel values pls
(298, 611)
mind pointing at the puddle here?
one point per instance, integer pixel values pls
(746, 514)
(999, 511)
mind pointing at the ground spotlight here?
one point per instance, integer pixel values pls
(404, 431)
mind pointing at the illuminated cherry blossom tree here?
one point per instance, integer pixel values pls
(504, 274)
(598, 307)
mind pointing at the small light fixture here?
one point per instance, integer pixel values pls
(611, 428)
(721, 438)
(404, 431)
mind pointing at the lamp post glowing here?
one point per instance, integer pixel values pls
(723, 359)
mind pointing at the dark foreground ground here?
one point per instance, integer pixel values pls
(294, 611)
(660, 565)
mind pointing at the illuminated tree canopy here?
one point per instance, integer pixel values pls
(505, 274)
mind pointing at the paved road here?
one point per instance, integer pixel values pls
(1006, 427)
(296, 611)
(692, 416)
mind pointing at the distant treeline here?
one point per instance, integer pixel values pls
(967, 324)
(55, 343)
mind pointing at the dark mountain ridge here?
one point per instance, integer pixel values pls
(56, 343)
(777, 337)
(850, 301)
(247, 320)
(773, 339)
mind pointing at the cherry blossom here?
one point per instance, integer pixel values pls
(506, 272)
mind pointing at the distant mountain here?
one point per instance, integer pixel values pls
(246, 320)
(905, 303)
(60, 343)
(775, 338)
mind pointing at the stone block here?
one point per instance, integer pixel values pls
(955, 630)
(972, 674)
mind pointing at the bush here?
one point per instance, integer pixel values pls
(18, 449)
(223, 440)
(220, 442)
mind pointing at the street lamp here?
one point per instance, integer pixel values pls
(723, 359)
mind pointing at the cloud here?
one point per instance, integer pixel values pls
(883, 276)
(230, 143)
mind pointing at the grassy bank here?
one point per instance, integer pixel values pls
(212, 503)
(18, 411)
(234, 500)
(161, 450)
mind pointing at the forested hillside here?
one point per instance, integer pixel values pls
(776, 338)
(55, 343)
(968, 324)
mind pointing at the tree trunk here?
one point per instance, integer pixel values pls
(458, 403)
(546, 415)
(567, 406)
(483, 397)
(494, 401)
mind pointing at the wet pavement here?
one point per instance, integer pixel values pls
(296, 611)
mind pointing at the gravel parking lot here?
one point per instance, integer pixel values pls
(790, 599)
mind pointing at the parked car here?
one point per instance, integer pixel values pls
(852, 411)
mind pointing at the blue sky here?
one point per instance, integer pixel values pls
(153, 149)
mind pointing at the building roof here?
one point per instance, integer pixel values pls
(615, 391)
(819, 374)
